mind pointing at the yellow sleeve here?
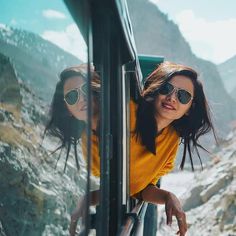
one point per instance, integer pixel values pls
(169, 166)
(133, 109)
(155, 180)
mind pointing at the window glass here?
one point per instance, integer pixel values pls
(40, 184)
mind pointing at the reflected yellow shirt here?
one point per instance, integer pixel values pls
(145, 167)
(95, 162)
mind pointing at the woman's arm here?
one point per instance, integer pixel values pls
(80, 210)
(173, 207)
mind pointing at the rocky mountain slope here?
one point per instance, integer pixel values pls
(213, 211)
(35, 198)
(227, 70)
(37, 61)
(155, 34)
(210, 200)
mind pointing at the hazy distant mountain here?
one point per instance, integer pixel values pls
(233, 93)
(155, 34)
(227, 70)
(36, 61)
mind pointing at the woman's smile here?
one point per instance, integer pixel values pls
(84, 107)
(167, 106)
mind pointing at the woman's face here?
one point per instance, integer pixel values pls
(168, 107)
(79, 108)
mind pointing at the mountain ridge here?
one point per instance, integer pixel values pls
(155, 34)
(37, 61)
(227, 71)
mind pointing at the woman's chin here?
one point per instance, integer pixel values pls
(82, 117)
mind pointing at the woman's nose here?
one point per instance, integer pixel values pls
(83, 97)
(172, 96)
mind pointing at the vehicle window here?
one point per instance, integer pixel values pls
(41, 180)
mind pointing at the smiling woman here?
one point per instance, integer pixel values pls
(172, 107)
(177, 97)
(68, 115)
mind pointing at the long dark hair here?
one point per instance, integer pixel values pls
(189, 127)
(62, 124)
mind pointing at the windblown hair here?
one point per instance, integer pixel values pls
(189, 127)
(62, 124)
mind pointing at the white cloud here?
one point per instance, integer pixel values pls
(3, 26)
(211, 40)
(53, 14)
(70, 40)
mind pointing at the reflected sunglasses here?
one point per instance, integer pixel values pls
(183, 95)
(73, 95)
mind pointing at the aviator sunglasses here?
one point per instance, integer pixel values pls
(183, 95)
(73, 95)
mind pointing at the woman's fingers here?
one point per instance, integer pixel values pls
(181, 220)
(173, 208)
(75, 217)
(168, 216)
(73, 225)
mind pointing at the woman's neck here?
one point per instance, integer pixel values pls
(162, 123)
(94, 122)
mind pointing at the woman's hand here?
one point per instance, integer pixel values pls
(77, 213)
(173, 208)
(80, 210)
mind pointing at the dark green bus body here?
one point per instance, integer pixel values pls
(106, 28)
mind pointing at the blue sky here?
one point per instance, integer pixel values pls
(208, 26)
(48, 18)
(29, 14)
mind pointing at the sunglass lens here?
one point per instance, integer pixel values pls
(72, 97)
(184, 96)
(166, 89)
(84, 89)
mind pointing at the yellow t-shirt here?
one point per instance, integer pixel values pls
(95, 162)
(145, 167)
